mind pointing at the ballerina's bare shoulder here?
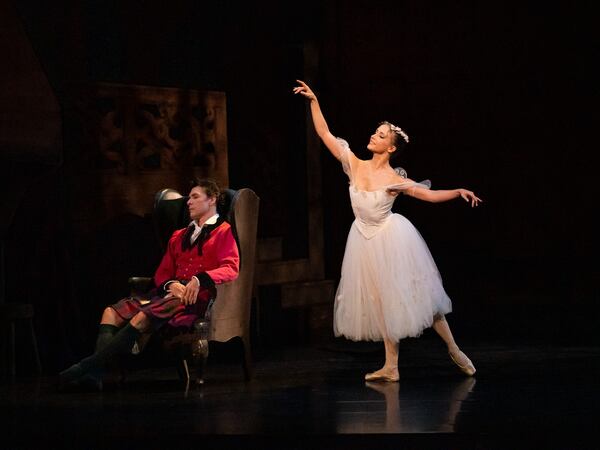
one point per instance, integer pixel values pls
(408, 184)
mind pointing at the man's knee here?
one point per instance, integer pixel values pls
(140, 321)
(111, 317)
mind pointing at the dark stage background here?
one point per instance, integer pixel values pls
(496, 97)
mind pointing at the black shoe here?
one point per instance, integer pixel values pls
(70, 375)
(85, 383)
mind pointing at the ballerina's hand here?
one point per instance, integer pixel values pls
(304, 90)
(469, 197)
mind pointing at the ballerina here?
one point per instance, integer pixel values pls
(390, 287)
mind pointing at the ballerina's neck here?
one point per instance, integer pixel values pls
(379, 161)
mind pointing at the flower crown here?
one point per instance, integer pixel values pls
(399, 131)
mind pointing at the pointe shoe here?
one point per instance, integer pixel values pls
(374, 376)
(467, 368)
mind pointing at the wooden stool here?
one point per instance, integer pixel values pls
(10, 313)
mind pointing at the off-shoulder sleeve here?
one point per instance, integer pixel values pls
(408, 186)
(345, 156)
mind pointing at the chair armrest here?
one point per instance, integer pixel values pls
(196, 338)
(140, 285)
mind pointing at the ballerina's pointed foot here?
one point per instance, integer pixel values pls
(463, 362)
(385, 374)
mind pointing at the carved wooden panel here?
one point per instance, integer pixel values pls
(132, 141)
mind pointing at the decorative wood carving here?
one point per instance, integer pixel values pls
(135, 140)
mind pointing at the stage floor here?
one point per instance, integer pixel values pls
(523, 396)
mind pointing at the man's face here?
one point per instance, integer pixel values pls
(199, 203)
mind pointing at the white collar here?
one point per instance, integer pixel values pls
(210, 221)
(197, 228)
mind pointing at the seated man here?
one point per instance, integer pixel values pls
(197, 258)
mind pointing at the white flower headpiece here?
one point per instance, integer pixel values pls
(399, 131)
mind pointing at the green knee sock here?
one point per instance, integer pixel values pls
(121, 342)
(106, 333)
(84, 372)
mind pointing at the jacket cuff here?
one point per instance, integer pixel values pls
(163, 288)
(205, 280)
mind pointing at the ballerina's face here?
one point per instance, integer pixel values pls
(382, 141)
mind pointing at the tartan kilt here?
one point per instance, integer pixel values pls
(162, 310)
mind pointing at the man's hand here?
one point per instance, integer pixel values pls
(177, 289)
(190, 294)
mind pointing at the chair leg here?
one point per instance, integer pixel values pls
(38, 364)
(184, 371)
(200, 366)
(200, 349)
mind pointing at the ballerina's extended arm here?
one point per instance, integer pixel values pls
(330, 141)
(435, 196)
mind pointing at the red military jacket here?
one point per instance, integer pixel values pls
(213, 258)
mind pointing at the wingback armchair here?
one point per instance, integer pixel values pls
(228, 313)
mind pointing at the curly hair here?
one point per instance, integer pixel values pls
(210, 186)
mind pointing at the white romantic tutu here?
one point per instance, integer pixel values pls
(390, 286)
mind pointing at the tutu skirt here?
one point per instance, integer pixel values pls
(390, 286)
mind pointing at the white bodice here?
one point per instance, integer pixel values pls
(371, 209)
